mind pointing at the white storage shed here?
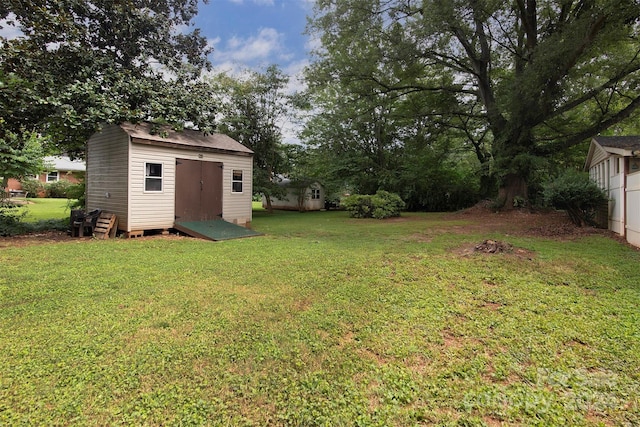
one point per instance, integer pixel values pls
(153, 177)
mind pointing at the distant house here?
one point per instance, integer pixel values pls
(62, 168)
(299, 196)
(155, 180)
(57, 168)
(613, 162)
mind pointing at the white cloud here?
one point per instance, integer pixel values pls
(266, 45)
(294, 70)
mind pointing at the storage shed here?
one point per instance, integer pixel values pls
(300, 196)
(613, 162)
(154, 178)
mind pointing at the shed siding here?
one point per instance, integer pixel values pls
(616, 195)
(107, 177)
(153, 210)
(608, 173)
(236, 207)
(598, 156)
(633, 208)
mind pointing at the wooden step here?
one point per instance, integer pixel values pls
(106, 226)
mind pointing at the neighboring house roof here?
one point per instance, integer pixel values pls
(187, 139)
(64, 163)
(626, 146)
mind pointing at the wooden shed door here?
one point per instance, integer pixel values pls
(198, 190)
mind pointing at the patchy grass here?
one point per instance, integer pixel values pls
(325, 320)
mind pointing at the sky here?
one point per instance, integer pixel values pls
(254, 34)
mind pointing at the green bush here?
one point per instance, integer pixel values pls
(32, 186)
(77, 196)
(11, 219)
(59, 189)
(576, 193)
(379, 206)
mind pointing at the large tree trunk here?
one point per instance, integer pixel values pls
(512, 188)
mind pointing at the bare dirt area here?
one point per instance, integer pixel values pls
(522, 222)
(41, 237)
(63, 236)
(550, 224)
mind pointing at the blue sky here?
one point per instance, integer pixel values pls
(253, 34)
(256, 33)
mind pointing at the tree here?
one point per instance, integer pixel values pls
(530, 78)
(369, 140)
(19, 162)
(251, 108)
(79, 63)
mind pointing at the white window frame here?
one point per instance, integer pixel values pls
(237, 181)
(147, 177)
(315, 194)
(57, 174)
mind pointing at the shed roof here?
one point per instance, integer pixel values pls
(187, 139)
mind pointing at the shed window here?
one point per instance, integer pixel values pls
(315, 193)
(236, 181)
(153, 177)
(53, 176)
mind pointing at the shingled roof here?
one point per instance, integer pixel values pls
(141, 133)
(625, 146)
(621, 142)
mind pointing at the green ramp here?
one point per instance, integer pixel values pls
(214, 230)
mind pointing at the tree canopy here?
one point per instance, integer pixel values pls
(78, 63)
(519, 81)
(250, 109)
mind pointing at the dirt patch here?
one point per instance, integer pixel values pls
(523, 222)
(36, 238)
(493, 247)
(64, 236)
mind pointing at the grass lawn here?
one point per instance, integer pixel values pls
(323, 321)
(39, 209)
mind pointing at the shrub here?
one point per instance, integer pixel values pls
(379, 206)
(33, 187)
(576, 193)
(58, 189)
(77, 196)
(11, 219)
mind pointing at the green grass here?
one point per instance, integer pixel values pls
(324, 320)
(40, 209)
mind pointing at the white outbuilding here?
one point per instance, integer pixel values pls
(303, 195)
(613, 162)
(155, 178)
